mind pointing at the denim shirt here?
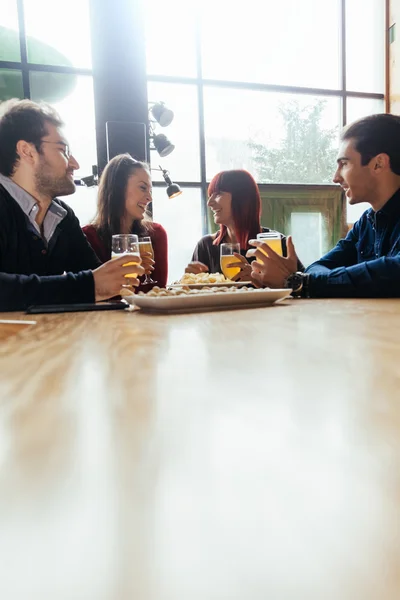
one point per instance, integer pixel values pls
(367, 262)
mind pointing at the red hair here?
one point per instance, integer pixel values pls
(246, 204)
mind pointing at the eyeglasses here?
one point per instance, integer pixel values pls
(66, 149)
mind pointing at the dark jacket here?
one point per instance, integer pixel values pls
(17, 292)
(24, 252)
(367, 262)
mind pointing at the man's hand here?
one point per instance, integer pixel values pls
(196, 267)
(110, 277)
(273, 270)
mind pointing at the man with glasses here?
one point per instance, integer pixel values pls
(39, 234)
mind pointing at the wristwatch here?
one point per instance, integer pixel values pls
(298, 283)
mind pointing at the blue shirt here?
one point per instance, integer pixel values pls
(367, 262)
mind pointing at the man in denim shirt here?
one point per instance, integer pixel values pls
(367, 262)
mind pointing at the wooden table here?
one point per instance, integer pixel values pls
(237, 455)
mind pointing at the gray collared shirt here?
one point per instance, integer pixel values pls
(30, 207)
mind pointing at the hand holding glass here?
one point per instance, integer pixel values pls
(227, 257)
(273, 239)
(145, 245)
(126, 243)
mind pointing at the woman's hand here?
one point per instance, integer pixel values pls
(244, 266)
(147, 262)
(196, 267)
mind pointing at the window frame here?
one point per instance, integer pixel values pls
(343, 93)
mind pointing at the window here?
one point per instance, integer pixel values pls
(365, 21)
(83, 203)
(278, 137)
(272, 42)
(9, 35)
(171, 38)
(307, 228)
(72, 96)
(362, 107)
(51, 42)
(272, 89)
(181, 217)
(55, 69)
(184, 161)
(11, 85)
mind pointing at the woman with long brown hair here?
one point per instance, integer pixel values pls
(124, 193)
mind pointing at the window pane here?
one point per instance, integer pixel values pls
(181, 217)
(72, 97)
(83, 203)
(58, 36)
(279, 138)
(362, 107)
(307, 230)
(184, 161)
(9, 33)
(10, 84)
(170, 38)
(355, 211)
(288, 43)
(365, 45)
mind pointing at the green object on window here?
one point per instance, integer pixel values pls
(10, 84)
(52, 87)
(9, 45)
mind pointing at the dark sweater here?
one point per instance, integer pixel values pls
(17, 292)
(24, 252)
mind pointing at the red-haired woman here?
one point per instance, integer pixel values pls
(235, 202)
(124, 193)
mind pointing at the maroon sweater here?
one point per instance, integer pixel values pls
(160, 246)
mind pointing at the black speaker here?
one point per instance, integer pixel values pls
(126, 137)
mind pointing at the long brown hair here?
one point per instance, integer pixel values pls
(246, 204)
(111, 199)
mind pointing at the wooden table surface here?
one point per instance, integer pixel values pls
(236, 455)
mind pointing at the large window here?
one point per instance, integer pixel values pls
(264, 86)
(261, 85)
(45, 55)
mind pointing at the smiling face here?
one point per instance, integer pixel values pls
(138, 194)
(358, 181)
(221, 206)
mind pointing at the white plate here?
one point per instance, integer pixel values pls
(199, 286)
(213, 300)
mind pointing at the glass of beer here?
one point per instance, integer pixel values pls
(145, 245)
(126, 243)
(273, 239)
(227, 256)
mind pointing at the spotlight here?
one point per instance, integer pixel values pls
(162, 114)
(173, 189)
(162, 144)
